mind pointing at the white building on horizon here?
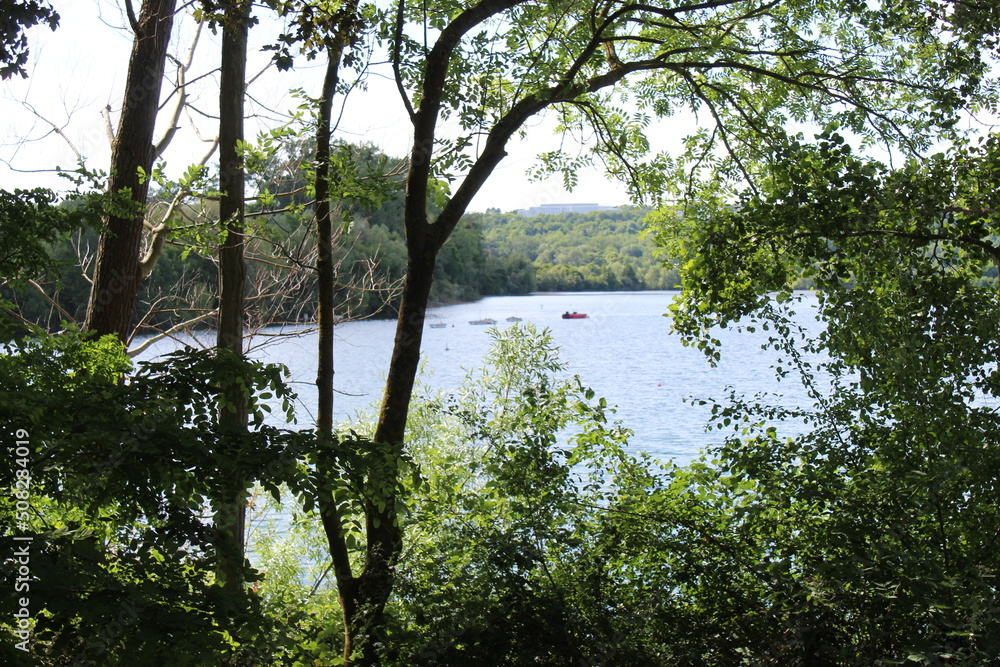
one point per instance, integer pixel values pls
(554, 209)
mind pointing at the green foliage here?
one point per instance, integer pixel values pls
(600, 250)
(297, 589)
(315, 27)
(499, 567)
(881, 519)
(121, 475)
(30, 221)
(19, 15)
(533, 538)
(536, 539)
(838, 220)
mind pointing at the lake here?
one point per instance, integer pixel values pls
(623, 350)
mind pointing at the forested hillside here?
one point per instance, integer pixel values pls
(369, 253)
(488, 254)
(600, 250)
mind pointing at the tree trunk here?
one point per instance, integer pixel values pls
(384, 534)
(230, 519)
(333, 524)
(350, 588)
(423, 242)
(117, 274)
(406, 347)
(324, 240)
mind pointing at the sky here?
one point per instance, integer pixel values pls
(79, 71)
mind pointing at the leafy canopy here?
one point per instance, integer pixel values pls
(881, 517)
(747, 68)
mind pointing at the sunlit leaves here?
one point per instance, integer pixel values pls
(900, 445)
(746, 68)
(832, 217)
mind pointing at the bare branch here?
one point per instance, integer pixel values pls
(66, 316)
(55, 130)
(396, 56)
(108, 129)
(181, 88)
(183, 326)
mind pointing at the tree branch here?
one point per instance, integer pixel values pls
(152, 340)
(396, 57)
(132, 20)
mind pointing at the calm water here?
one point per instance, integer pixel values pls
(623, 350)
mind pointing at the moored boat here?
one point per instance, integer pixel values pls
(485, 320)
(574, 315)
(513, 318)
(438, 325)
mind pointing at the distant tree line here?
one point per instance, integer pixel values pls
(488, 254)
(570, 252)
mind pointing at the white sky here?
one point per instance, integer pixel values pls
(80, 69)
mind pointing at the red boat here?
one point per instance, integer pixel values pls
(574, 315)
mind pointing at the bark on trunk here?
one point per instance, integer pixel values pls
(324, 240)
(231, 513)
(385, 535)
(111, 306)
(333, 524)
(406, 348)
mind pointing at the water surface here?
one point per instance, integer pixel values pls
(623, 350)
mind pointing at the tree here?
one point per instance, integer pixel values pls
(112, 479)
(330, 513)
(118, 271)
(752, 66)
(230, 517)
(891, 489)
(344, 26)
(17, 16)
(342, 177)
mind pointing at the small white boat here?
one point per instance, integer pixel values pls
(438, 325)
(513, 318)
(483, 321)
